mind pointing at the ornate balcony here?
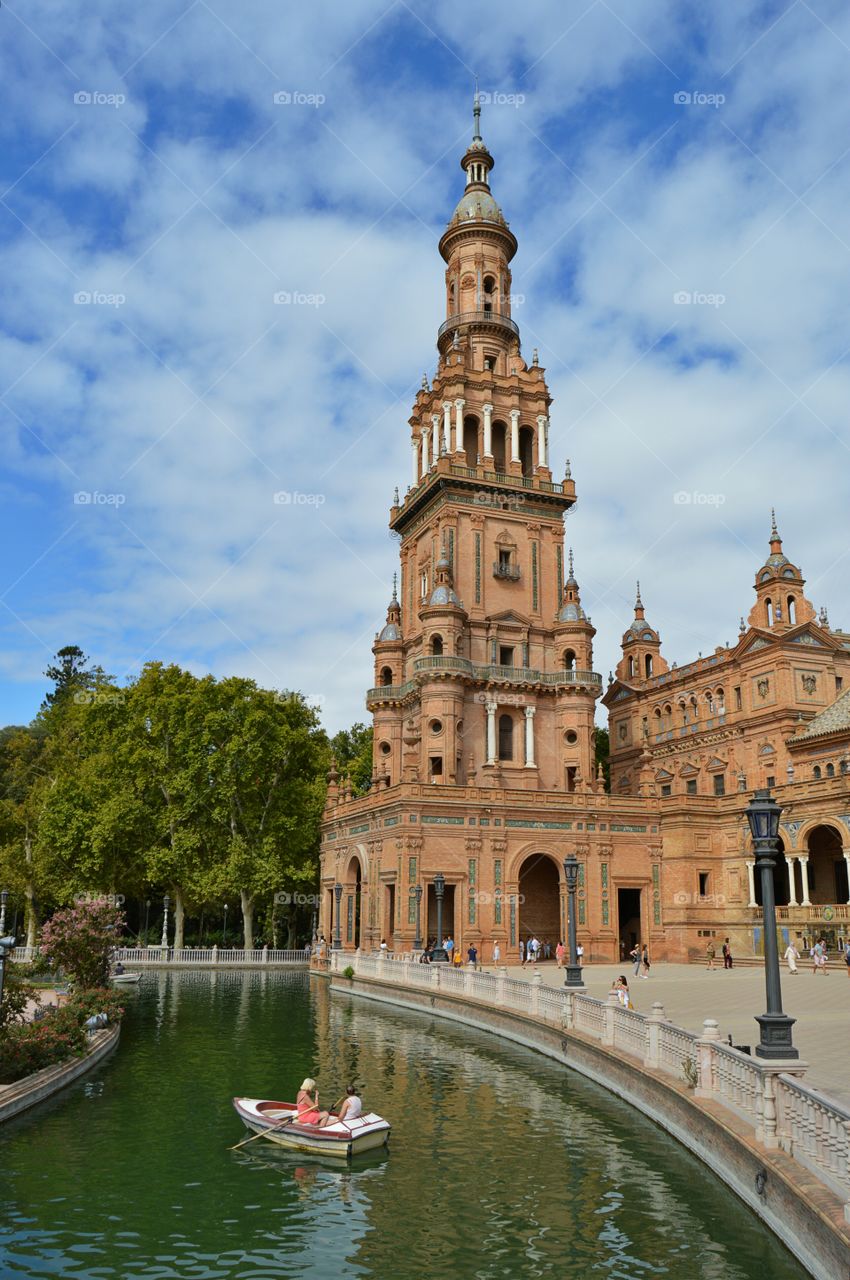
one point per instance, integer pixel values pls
(486, 321)
(510, 572)
(448, 664)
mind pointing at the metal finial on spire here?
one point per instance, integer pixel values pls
(571, 561)
(476, 115)
(568, 475)
(638, 601)
(395, 496)
(395, 588)
(535, 359)
(743, 626)
(774, 532)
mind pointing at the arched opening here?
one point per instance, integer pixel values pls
(489, 288)
(569, 660)
(350, 904)
(499, 445)
(386, 675)
(792, 611)
(817, 774)
(631, 666)
(506, 737)
(668, 717)
(694, 708)
(470, 441)
(647, 665)
(827, 868)
(452, 298)
(769, 611)
(720, 700)
(526, 450)
(830, 770)
(683, 713)
(540, 900)
(709, 701)
(781, 887)
(437, 645)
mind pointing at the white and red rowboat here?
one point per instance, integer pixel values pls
(343, 1139)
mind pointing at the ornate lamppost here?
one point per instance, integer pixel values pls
(166, 903)
(439, 954)
(417, 941)
(4, 898)
(337, 943)
(775, 1026)
(224, 935)
(7, 946)
(147, 914)
(315, 924)
(572, 977)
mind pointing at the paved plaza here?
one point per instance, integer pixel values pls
(691, 993)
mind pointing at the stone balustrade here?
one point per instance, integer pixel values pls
(780, 1110)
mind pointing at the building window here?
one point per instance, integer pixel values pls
(506, 737)
(830, 770)
(720, 784)
(770, 781)
(839, 683)
(631, 667)
(703, 884)
(817, 773)
(436, 766)
(647, 664)
(437, 646)
(423, 585)
(792, 611)
(738, 701)
(571, 777)
(666, 789)
(691, 787)
(386, 675)
(569, 660)
(506, 655)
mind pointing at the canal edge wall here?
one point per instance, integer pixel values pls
(41, 1085)
(795, 1205)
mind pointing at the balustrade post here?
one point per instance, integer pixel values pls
(435, 975)
(501, 979)
(706, 1059)
(536, 979)
(568, 1017)
(264, 958)
(609, 1013)
(654, 1020)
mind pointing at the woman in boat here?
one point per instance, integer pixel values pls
(352, 1108)
(307, 1104)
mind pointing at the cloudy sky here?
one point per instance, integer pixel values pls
(677, 177)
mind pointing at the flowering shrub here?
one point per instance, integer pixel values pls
(80, 939)
(16, 992)
(56, 1037)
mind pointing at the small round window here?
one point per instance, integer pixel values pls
(436, 726)
(385, 748)
(571, 737)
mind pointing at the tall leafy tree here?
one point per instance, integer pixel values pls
(352, 750)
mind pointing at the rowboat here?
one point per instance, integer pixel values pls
(125, 979)
(341, 1140)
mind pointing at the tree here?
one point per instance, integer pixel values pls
(352, 750)
(80, 939)
(266, 759)
(24, 783)
(70, 674)
(602, 753)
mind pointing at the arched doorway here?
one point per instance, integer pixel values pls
(540, 899)
(827, 868)
(781, 886)
(350, 905)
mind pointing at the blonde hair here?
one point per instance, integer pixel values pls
(308, 1085)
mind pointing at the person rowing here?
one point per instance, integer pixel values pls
(307, 1105)
(352, 1108)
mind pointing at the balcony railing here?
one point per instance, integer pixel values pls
(484, 674)
(477, 317)
(508, 571)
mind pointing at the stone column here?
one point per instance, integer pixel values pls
(426, 431)
(804, 872)
(487, 410)
(447, 424)
(541, 440)
(439, 448)
(529, 738)
(751, 877)
(792, 887)
(846, 853)
(414, 445)
(514, 435)
(459, 426)
(491, 731)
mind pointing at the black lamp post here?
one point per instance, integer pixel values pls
(337, 944)
(224, 935)
(417, 941)
(7, 946)
(147, 914)
(439, 954)
(4, 898)
(775, 1026)
(572, 977)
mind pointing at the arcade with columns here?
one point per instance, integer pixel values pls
(484, 701)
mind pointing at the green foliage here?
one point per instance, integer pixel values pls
(16, 992)
(352, 750)
(603, 748)
(348, 971)
(56, 1037)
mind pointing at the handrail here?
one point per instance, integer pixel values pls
(477, 317)
(463, 666)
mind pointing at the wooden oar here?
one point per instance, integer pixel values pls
(281, 1124)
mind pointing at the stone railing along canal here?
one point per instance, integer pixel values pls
(194, 957)
(771, 1099)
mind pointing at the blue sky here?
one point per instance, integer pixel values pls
(678, 183)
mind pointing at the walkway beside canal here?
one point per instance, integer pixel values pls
(690, 993)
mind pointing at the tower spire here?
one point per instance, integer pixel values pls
(476, 115)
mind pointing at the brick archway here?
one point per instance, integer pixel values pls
(539, 885)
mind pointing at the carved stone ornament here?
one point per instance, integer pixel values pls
(763, 687)
(810, 683)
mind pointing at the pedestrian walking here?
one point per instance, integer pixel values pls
(644, 960)
(792, 955)
(710, 953)
(634, 956)
(472, 955)
(497, 953)
(727, 954)
(847, 958)
(560, 952)
(521, 952)
(579, 952)
(818, 954)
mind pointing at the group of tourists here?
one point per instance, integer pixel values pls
(725, 951)
(818, 954)
(309, 1112)
(639, 956)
